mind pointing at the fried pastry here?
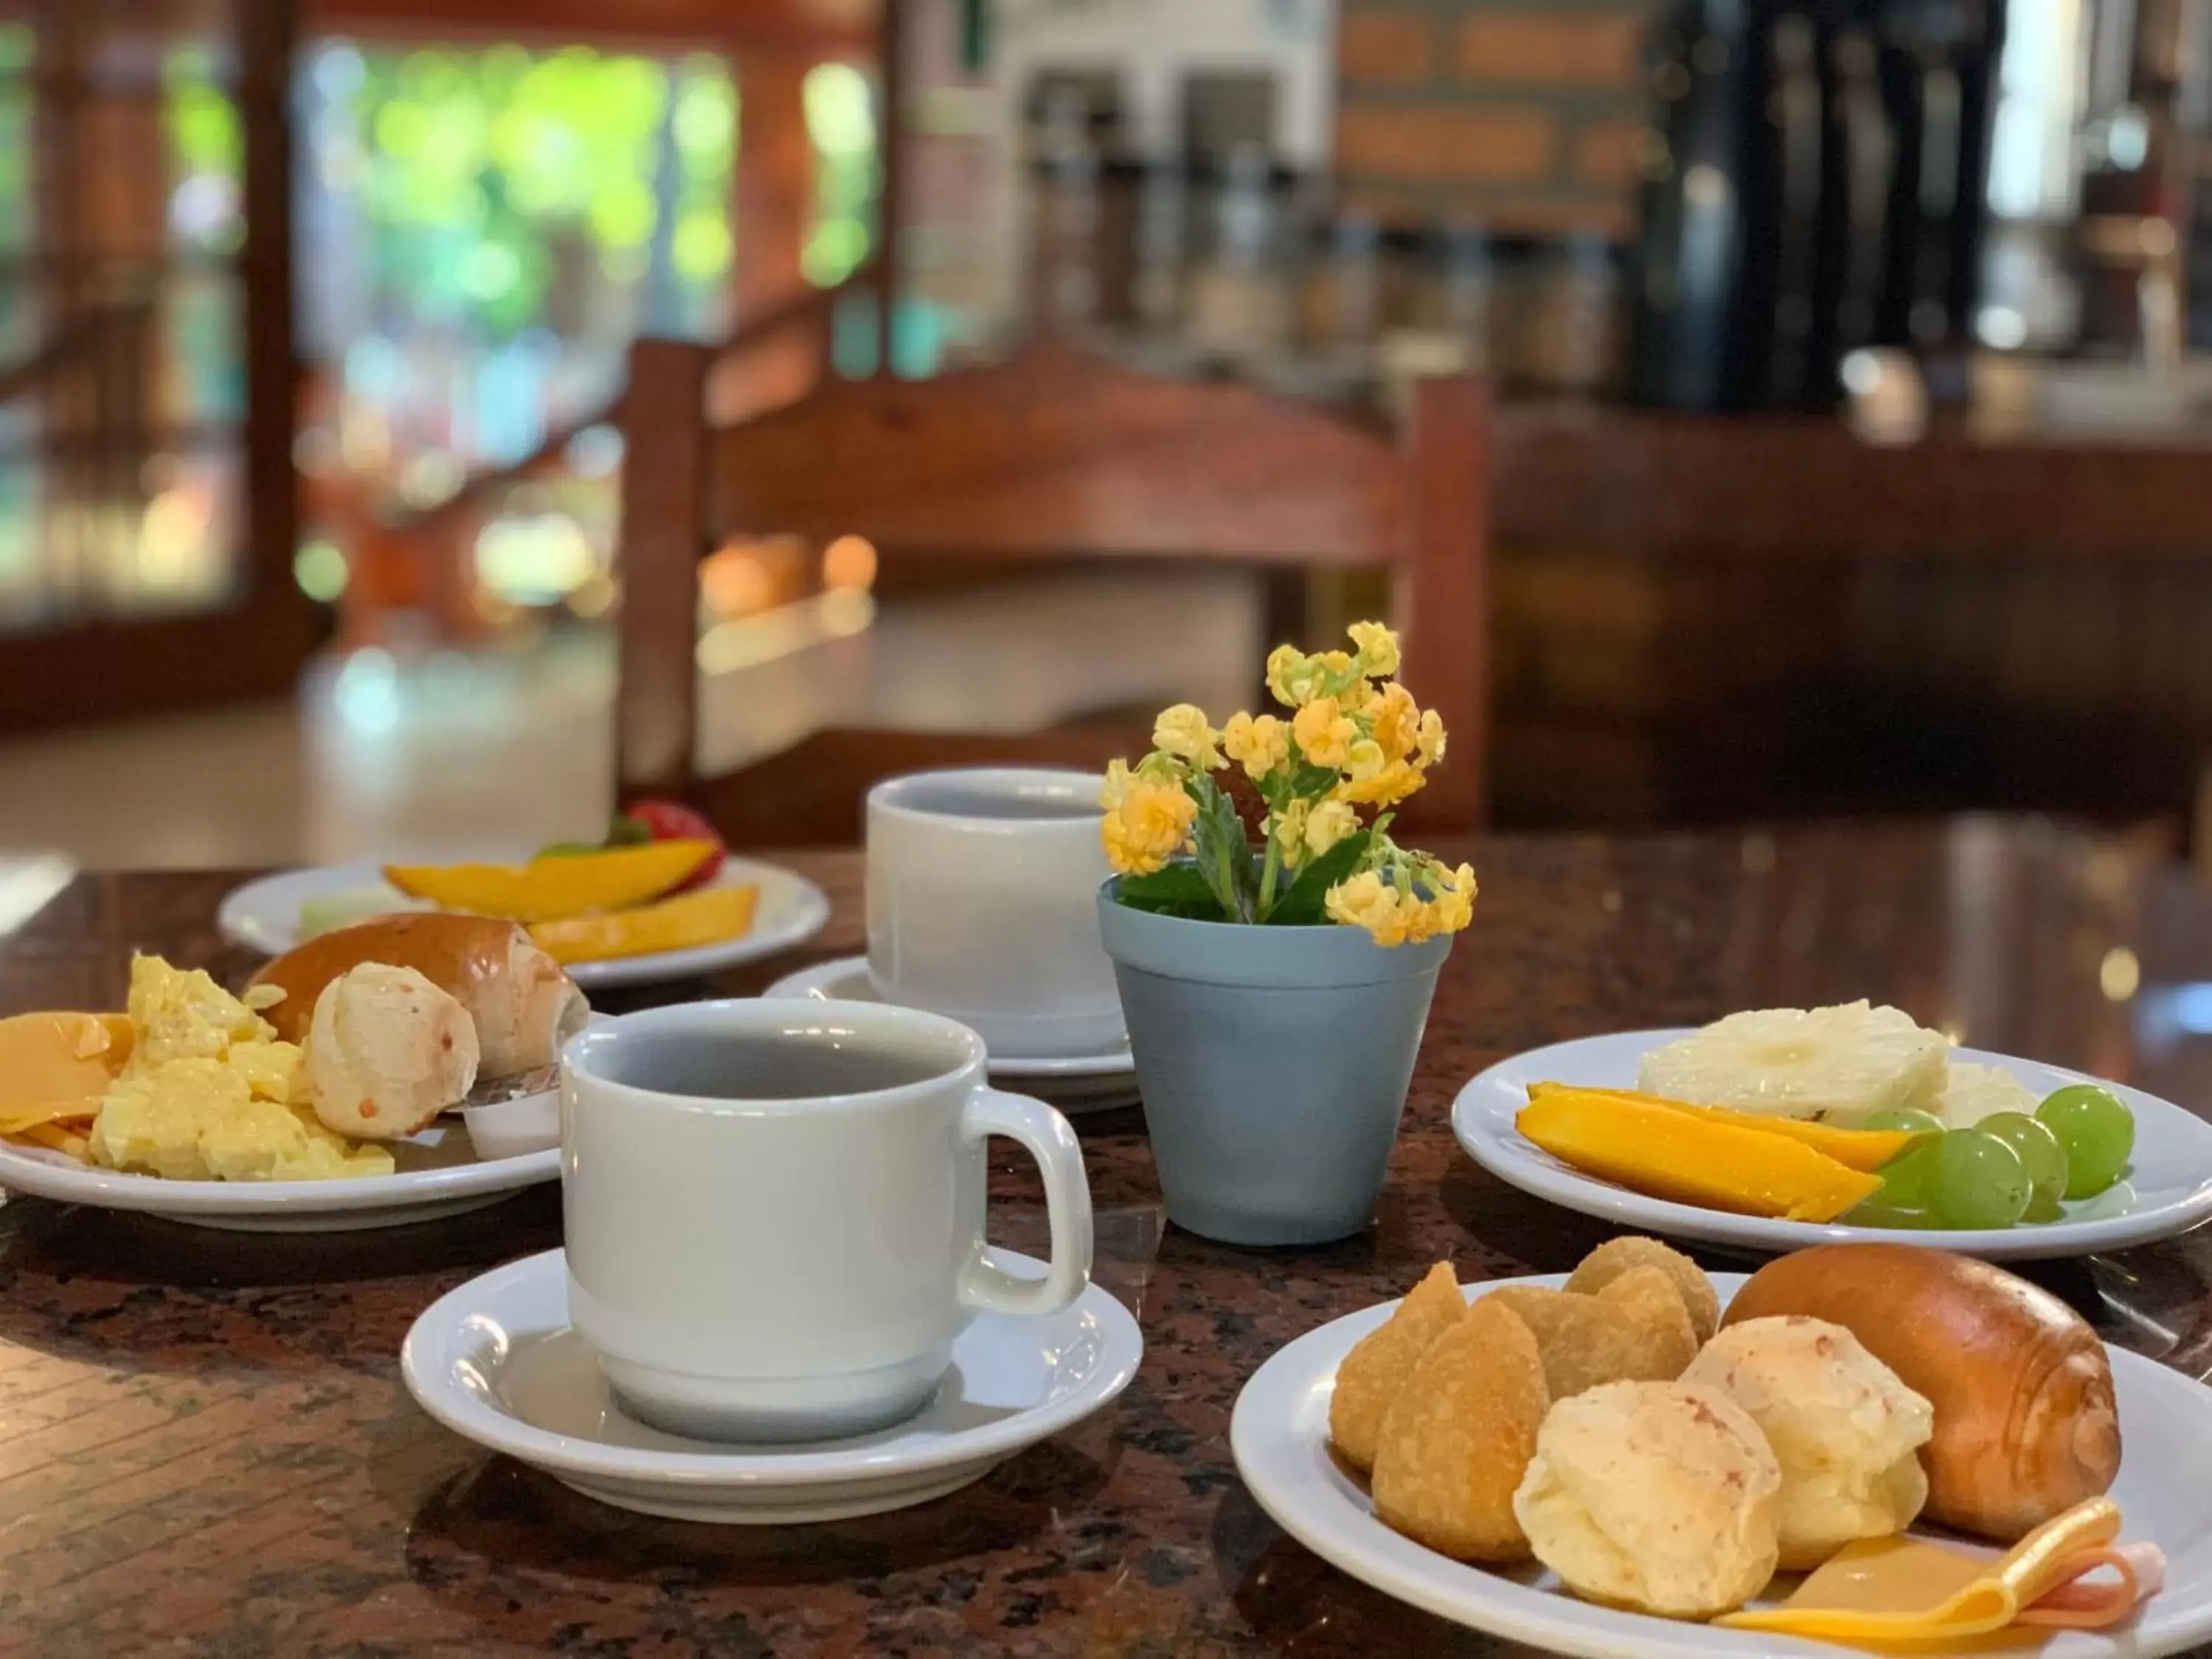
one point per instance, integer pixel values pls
(1635, 1330)
(1460, 1433)
(1372, 1374)
(1616, 1256)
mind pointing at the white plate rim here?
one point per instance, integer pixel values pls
(1500, 1149)
(846, 978)
(242, 917)
(112, 1189)
(437, 1343)
(1262, 1428)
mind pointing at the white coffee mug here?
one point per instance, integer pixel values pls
(983, 906)
(773, 1211)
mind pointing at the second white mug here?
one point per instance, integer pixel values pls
(982, 906)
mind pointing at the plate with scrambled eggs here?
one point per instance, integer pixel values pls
(188, 1107)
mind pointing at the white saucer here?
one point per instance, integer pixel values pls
(1279, 1438)
(495, 1362)
(1094, 1083)
(264, 915)
(2168, 1191)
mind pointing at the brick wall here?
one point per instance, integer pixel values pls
(1524, 113)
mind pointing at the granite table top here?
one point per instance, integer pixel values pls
(205, 1446)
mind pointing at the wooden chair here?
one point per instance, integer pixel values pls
(1053, 454)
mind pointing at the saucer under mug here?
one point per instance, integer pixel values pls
(497, 1362)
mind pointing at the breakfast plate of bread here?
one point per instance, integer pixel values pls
(394, 1071)
(1775, 1129)
(1861, 1448)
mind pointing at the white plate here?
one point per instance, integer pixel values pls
(292, 1206)
(495, 1362)
(2168, 1191)
(264, 915)
(1094, 1082)
(1279, 1436)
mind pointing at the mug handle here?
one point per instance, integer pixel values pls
(989, 1288)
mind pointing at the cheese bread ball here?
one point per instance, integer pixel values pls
(1846, 1431)
(1661, 1496)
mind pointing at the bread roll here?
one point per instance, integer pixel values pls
(524, 1007)
(2025, 1425)
(387, 1052)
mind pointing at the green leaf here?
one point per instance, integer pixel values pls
(1301, 907)
(1177, 890)
(1223, 854)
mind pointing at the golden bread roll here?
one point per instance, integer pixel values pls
(1635, 1330)
(1656, 1496)
(1376, 1370)
(1460, 1434)
(1847, 1434)
(1616, 1256)
(522, 1004)
(2025, 1424)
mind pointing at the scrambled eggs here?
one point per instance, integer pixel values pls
(208, 1094)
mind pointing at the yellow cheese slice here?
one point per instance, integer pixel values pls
(1891, 1590)
(57, 1066)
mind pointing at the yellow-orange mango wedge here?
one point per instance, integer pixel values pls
(548, 890)
(682, 923)
(1661, 1153)
(1856, 1149)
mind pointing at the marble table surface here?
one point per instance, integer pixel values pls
(205, 1446)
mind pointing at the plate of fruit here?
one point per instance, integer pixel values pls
(1778, 1128)
(658, 898)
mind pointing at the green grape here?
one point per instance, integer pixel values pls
(1980, 1182)
(2096, 1130)
(2042, 1155)
(1907, 1178)
(1904, 1117)
(1881, 1211)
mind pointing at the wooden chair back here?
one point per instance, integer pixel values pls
(1054, 453)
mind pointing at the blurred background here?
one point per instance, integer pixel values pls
(1850, 362)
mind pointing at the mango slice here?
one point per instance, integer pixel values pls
(1664, 1153)
(682, 923)
(1856, 1149)
(551, 889)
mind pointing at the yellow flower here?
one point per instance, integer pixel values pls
(1148, 826)
(1367, 901)
(1183, 733)
(1431, 740)
(1115, 789)
(1291, 831)
(1453, 907)
(1296, 680)
(1397, 722)
(1325, 736)
(1259, 744)
(1378, 648)
(1327, 823)
(1374, 779)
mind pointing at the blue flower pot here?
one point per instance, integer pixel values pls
(1274, 1063)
